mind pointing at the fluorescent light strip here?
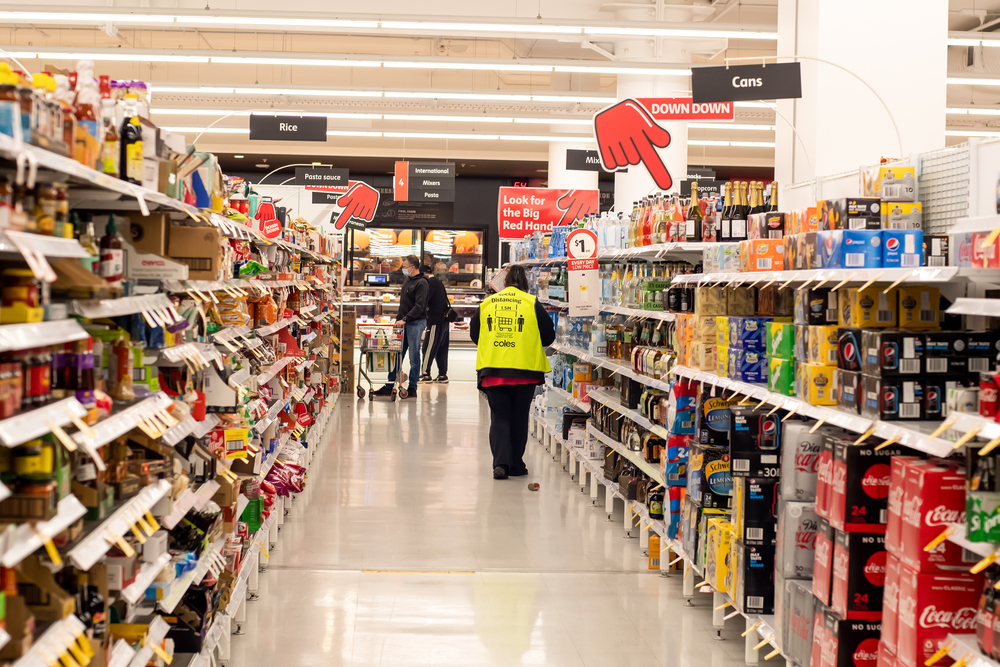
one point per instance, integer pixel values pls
(956, 41)
(982, 111)
(116, 57)
(377, 116)
(734, 144)
(389, 94)
(480, 27)
(972, 133)
(723, 125)
(681, 32)
(972, 82)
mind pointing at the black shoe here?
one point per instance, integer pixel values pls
(499, 473)
(410, 393)
(441, 379)
(520, 473)
(384, 391)
(426, 377)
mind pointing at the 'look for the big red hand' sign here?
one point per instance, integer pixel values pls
(523, 211)
(627, 135)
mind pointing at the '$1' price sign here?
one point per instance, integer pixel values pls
(584, 282)
(581, 249)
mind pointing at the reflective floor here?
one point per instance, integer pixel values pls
(404, 551)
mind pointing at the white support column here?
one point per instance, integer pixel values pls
(644, 528)
(272, 534)
(718, 615)
(241, 615)
(594, 489)
(253, 581)
(842, 123)
(687, 588)
(629, 518)
(752, 639)
(609, 502)
(224, 648)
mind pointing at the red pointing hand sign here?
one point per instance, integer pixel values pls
(627, 135)
(576, 205)
(360, 201)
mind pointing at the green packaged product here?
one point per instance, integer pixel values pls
(982, 512)
(780, 340)
(781, 376)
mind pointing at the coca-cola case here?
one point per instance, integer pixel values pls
(890, 352)
(823, 565)
(755, 588)
(860, 486)
(886, 658)
(855, 643)
(796, 540)
(850, 353)
(931, 606)
(890, 603)
(894, 503)
(986, 612)
(799, 630)
(859, 562)
(755, 509)
(800, 453)
(783, 594)
(849, 391)
(933, 499)
(754, 442)
(821, 652)
(824, 475)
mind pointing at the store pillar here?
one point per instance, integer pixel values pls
(559, 176)
(840, 121)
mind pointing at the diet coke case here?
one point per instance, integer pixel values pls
(934, 497)
(932, 606)
(796, 546)
(800, 454)
(850, 643)
(859, 562)
(799, 631)
(860, 487)
(890, 604)
(823, 564)
(894, 504)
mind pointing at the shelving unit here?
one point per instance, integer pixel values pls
(22, 336)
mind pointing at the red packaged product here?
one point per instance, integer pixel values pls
(988, 257)
(933, 498)
(849, 643)
(821, 643)
(886, 658)
(890, 604)
(823, 565)
(824, 473)
(932, 606)
(986, 616)
(989, 396)
(893, 524)
(859, 564)
(860, 486)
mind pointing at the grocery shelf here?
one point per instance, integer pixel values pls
(80, 173)
(830, 276)
(610, 364)
(121, 654)
(49, 246)
(193, 576)
(93, 547)
(656, 251)
(194, 353)
(639, 313)
(26, 539)
(40, 334)
(575, 402)
(963, 422)
(633, 457)
(122, 422)
(157, 308)
(272, 328)
(189, 500)
(54, 642)
(910, 434)
(967, 306)
(35, 423)
(975, 225)
(553, 303)
(610, 400)
(137, 589)
(964, 646)
(960, 537)
(274, 369)
(158, 629)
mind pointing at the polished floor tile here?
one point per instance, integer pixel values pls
(404, 551)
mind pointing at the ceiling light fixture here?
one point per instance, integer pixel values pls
(954, 80)
(974, 111)
(972, 133)
(239, 157)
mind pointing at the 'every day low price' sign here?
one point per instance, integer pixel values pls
(523, 211)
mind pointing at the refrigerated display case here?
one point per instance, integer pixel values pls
(455, 255)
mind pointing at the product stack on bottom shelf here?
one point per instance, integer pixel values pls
(816, 438)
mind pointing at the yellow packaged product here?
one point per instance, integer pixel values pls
(816, 384)
(705, 328)
(722, 331)
(868, 308)
(919, 307)
(821, 347)
(710, 300)
(720, 534)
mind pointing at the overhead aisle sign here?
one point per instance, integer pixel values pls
(777, 81)
(584, 287)
(424, 181)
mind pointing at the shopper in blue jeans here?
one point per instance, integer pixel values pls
(412, 317)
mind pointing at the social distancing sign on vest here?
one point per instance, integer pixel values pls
(508, 333)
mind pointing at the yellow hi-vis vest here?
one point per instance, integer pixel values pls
(508, 333)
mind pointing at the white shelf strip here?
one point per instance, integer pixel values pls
(983, 307)
(49, 246)
(158, 629)
(53, 643)
(194, 353)
(910, 434)
(137, 589)
(175, 434)
(190, 500)
(966, 644)
(121, 654)
(277, 326)
(607, 398)
(41, 334)
(960, 538)
(157, 308)
(202, 429)
(639, 313)
(275, 368)
(239, 378)
(27, 426)
(26, 541)
(921, 275)
(122, 422)
(193, 576)
(978, 225)
(93, 547)
(568, 397)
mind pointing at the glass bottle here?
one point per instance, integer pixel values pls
(130, 148)
(110, 157)
(693, 224)
(112, 255)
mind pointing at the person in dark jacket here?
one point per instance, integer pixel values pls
(438, 329)
(412, 316)
(511, 330)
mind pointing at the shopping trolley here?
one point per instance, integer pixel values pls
(381, 351)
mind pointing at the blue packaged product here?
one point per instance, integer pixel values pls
(902, 248)
(751, 333)
(850, 249)
(751, 366)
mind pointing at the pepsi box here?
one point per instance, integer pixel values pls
(936, 389)
(751, 366)
(984, 347)
(815, 306)
(755, 578)
(902, 248)
(754, 442)
(849, 391)
(755, 507)
(850, 249)
(893, 398)
(888, 352)
(946, 353)
(749, 333)
(850, 349)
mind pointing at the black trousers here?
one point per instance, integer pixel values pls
(509, 408)
(436, 348)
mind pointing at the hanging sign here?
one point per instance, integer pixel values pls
(582, 160)
(684, 108)
(583, 292)
(322, 179)
(287, 128)
(523, 211)
(268, 223)
(778, 81)
(424, 181)
(627, 135)
(359, 205)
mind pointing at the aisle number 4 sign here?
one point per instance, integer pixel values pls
(583, 293)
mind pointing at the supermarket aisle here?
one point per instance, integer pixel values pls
(405, 551)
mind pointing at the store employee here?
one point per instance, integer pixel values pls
(511, 331)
